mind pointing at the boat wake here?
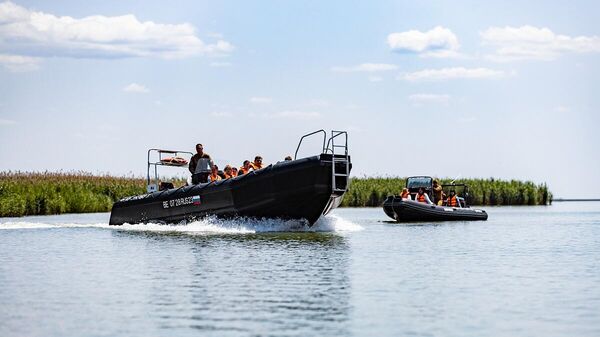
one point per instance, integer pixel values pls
(211, 225)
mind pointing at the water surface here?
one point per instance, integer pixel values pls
(527, 271)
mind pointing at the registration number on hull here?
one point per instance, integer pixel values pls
(193, 200)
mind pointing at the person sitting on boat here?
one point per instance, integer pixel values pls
(246, 167)
(438, 193)
(228, 172)
(288, 158)
(214, 174)
(423, 197)
(405, 195)
(452, 200)
(200, 165)
(257, 164)
(234, 171)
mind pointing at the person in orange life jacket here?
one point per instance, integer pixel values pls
(423, 197)
(214, 174)
(234, 171)
(452, 200)
(245, 168)
(405, 195)
(228, 172)
(257, 164)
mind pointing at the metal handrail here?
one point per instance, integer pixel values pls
(307, 135)
(158, 163)
(337, 133)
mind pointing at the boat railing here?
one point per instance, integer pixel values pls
(308, 135)
(152, 184)
(340, 174)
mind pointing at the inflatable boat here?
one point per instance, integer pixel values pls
(405, 210)
(410, 210)
(305, 188)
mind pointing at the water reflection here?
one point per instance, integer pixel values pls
(239, 284)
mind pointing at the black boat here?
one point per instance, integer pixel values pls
(404, 210)
(303, 188)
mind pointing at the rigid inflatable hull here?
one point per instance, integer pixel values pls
(299, 189)
(412, 211)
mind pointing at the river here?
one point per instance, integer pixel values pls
(527, 271)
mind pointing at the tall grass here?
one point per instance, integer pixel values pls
(372, 192)
(23, 193)
(40, 193)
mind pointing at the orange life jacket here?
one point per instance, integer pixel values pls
(421, 198)
(214, 177)
(452, 201)
(256, 166)
(227, 176)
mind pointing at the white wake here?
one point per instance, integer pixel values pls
(210, 225)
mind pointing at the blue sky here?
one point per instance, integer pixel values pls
(477, 89)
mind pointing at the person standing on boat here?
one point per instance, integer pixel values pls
(200, 165)
(423, 197)
(438, 193)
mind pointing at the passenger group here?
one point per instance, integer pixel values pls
(440, 197)
(204, 170)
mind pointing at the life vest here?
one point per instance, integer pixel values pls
(215, 177)
(227, 176)
(241, 171)
(452, 201)
(421, 198)
(256, 166)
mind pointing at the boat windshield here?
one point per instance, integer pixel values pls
(416, 182)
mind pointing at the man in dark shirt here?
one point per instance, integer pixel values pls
(200, 165)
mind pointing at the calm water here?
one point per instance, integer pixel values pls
(528, 271)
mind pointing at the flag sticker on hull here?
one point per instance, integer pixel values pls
(196, 200)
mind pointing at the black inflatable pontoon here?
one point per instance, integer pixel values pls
(410, 210)
(298, 189)
(404, 210)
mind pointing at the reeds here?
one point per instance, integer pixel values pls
(38, 193)
(371, 192)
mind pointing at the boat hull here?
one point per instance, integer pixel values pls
(413, 211)
(299, 189)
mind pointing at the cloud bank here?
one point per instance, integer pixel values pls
(532, 43)
(453, 73)
(37, 34)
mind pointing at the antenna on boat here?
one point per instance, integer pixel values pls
(455, 179)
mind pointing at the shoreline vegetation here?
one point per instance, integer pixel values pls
(45, 193)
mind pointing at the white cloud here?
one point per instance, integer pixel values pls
(5, 122)
(420, 99)
(437, 42)
(375, 78)
(289, 114)
(39, 34)
(366, 67)
(136, 88)
(18, 63)
(453, 73)
(532, 43)
(261, 100)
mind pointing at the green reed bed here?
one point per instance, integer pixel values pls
(23, 193)
(371, 192)
(41, 193)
